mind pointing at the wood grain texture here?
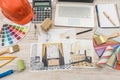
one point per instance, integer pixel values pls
(80, 74)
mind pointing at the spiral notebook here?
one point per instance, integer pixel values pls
(107, 15)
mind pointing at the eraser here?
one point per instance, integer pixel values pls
(20, 65)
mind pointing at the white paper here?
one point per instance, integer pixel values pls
(57, 35)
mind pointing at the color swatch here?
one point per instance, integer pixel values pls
(11, 34)
(101, 48)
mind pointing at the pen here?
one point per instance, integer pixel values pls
(97, 15)
(35, 27)
(84, 31)
(106, 15)
(6, 73)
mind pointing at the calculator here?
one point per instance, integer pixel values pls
(42, 9)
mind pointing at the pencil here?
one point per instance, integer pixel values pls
(106, 15)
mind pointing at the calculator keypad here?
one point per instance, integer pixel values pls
(40, 13)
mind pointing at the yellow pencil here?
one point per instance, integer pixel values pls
(8, 58)
(106, 15)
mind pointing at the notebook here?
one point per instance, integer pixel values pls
(74, 14)
(107, 15)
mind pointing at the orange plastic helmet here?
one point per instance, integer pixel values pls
(18, 11)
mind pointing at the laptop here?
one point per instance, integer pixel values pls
(74, 14)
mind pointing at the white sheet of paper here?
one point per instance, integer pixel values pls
(36, 50)
(57, 35)
(52, 51)
(85, 45)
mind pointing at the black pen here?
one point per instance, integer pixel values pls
(84, 31)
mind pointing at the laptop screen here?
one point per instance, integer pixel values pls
(77, 0)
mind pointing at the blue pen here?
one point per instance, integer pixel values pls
(6, 73)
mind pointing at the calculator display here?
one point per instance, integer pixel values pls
(42, 3)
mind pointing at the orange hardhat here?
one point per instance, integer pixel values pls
(18, 11)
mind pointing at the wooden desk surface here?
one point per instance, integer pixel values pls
(81, 74)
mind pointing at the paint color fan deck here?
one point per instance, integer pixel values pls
(11, 34)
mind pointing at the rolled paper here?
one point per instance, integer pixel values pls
(20, 65)
(106, 55)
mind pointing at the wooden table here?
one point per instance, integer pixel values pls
(81, 74)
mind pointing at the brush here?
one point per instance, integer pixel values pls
(12, 49)
(20, 65)
(102, 39)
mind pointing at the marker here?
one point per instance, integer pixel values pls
(9, 72)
